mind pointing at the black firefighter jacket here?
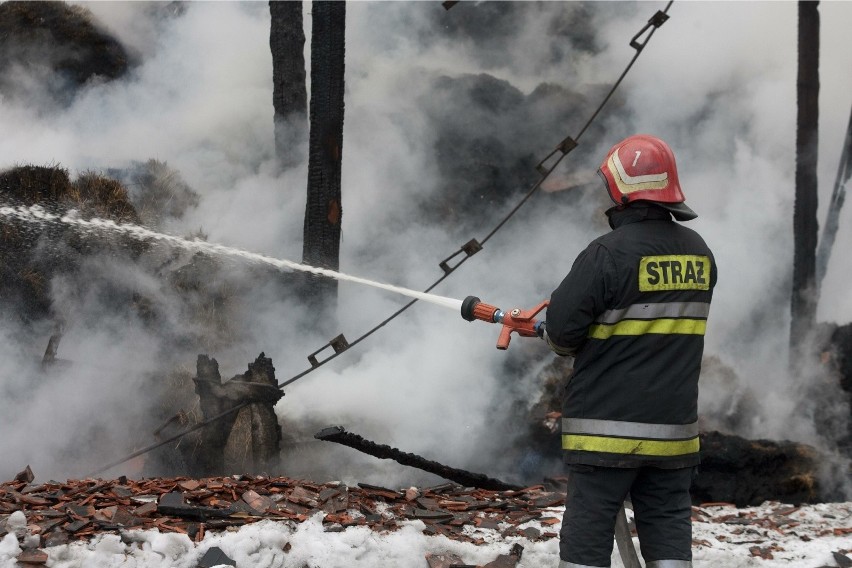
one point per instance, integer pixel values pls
(633, 311)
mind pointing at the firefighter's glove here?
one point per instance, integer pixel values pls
(539, 328)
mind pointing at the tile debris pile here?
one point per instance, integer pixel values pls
(60, 512)
(44, 515)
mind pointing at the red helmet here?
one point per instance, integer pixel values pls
(642, 167)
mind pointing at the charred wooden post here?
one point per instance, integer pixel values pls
(803, 308)
(265, 430)
(460, 476)
(835, 204)
(258, 387)
(323, 209)
(213, 401)
(289, 94)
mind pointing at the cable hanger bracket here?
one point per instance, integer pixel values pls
(565, 146)
(470, 248)
(338, 344)
(656, 21)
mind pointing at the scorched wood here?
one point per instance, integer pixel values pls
(259, 388)
(465, 478)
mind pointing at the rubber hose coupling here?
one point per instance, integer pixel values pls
(467, 307)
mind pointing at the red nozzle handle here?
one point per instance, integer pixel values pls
(520, 321)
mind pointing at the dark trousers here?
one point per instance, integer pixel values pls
(661, 505)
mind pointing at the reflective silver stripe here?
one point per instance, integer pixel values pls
(669, 564)
(656, 311)
(641, 430)
(564, 564)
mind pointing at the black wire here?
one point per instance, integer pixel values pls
(177, 436)
(397, 313)
(623, 74)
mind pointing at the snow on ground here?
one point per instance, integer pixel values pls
(727, 538)
(768, 536)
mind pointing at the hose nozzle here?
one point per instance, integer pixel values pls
(518, 321)
(472, 308)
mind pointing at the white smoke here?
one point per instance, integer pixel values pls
(717, 82)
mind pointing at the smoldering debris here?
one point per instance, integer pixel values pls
(340, 436)
(62, 46)
(45, 515)
(30, 258)
(158, 191)
(57, 513)
(749, 472)
(48, 269)
(480, 123)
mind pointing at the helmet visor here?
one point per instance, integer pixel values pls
(680, 211)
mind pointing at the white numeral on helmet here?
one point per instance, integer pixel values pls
(636, 159)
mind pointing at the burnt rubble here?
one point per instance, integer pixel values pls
(61, 512)
(339, 435)
(27, 265)
(61, 46)
(749, 472)
(54, 513)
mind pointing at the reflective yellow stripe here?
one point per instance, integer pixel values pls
(630, 445)
(663, 326)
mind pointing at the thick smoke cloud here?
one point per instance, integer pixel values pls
(717, 81)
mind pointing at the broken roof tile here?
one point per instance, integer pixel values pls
(78, 509)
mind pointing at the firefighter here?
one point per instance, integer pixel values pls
(632, 311)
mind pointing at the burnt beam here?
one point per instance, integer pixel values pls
(466, 478)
